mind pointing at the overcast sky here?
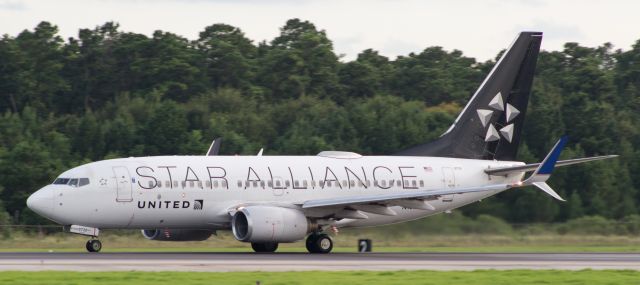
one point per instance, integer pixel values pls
(479, 28)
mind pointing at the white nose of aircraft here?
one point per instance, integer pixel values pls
(41, 201)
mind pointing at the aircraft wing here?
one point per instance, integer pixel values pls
(533, 166)
(415, 199)
(364, 199)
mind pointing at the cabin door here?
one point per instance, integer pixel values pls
(449, 181)
(124, 188)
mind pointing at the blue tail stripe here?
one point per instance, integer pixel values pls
(550, 163)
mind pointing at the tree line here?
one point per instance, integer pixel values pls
(109, 93)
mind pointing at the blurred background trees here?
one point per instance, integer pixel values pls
(108, 93)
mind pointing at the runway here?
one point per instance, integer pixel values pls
(222, 262)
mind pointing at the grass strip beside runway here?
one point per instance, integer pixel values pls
(592, 277)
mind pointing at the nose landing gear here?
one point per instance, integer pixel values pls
(94, 245)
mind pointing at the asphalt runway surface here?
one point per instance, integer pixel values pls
(222, 262)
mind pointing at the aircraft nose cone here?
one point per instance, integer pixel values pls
(41, 202)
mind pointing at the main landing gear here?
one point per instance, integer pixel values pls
(319, 243)
(264, 246)
(94, 245)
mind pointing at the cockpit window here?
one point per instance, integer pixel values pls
(75, 182)
(61, 181)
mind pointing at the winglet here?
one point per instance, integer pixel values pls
(215, 147)
(543, 172)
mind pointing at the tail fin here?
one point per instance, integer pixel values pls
(489, 127)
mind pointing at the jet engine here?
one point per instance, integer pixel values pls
(177, 234)
(270, 224)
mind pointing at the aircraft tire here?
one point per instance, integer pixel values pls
(94, 245)
(319, 243)
(264, 246)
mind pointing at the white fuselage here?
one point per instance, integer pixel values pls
(201, 191)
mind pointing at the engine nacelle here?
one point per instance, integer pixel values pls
(176, 234)
(270, 224)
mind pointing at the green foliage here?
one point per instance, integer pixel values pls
(109, 93)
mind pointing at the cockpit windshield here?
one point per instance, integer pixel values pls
(75, 182)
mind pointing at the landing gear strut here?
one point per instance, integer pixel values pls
(319, 243)
(264, 246)
(94, 245)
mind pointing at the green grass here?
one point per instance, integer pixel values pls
(592, 277)
(344, 242)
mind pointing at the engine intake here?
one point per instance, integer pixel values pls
(177, 234)
(270, 224)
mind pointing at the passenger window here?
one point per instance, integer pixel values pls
(344, 183)
(184, 184)
(175, 184)
(208, 184)
(270, 183)
(296, 183)
(313, 183)
(287, 183)
(83, 182)
(167, 184)
(192, 184)
(255, 184)
(353, 183)
(304, 183)
(224, 184)
(398, 183)
(199, 184)
(262, 184)
(421, 183)
(151, 184)
(413, 183)
(159, 184)
(277, 183)
(239, 183)
(321, 183)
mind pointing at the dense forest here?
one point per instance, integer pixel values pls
(109, 93)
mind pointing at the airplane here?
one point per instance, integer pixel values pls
(266, 200)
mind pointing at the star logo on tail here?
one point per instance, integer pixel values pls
(497, 104)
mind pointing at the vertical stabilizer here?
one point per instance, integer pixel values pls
(490, 125)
